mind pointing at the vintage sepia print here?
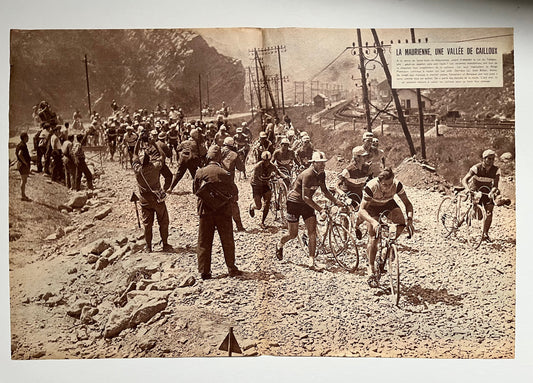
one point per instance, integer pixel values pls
(244, 192)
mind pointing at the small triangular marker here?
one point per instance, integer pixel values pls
(230, 343)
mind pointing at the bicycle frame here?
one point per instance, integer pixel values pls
(387, 253)
(463, 210)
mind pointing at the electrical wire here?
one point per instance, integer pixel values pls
(331, 63)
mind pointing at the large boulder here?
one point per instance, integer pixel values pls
(97, 247)
(141, 308)
(102, 213)
(78, 200)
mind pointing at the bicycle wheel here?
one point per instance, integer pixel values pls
(475, 220)
(282, 201)
(447, 215)
(343, 247)
(393, 263)
(274, 200)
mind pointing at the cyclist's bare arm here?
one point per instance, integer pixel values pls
(363, 213)
(307, 196)
(408, 209)
(467, 179)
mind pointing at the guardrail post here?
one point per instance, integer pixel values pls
(334, 121)
(382, 128)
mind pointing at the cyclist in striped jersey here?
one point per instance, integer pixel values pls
(484, 174)
(378, 197)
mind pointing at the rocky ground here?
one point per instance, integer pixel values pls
(81, 287)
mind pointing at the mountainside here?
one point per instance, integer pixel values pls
(480, 102)
(138, 68)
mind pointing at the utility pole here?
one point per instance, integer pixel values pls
(251, 93)
(363, 81)
(281, 80)
(399, 110)
(88, 89)
(257, 83)
(200, 93)
(267, 87)
(208, 90)
(420, 110)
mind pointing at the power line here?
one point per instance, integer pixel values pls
(481, 38)
(327, 66)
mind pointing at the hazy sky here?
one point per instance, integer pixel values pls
(308, 51)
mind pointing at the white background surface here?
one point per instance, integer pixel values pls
(54, 14)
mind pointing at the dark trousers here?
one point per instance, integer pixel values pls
(184, 165)
(47, 158)
(82, 169)
(167, 175)
(56, 166)
(148, 210)
(40, 154)
(70, 172)
(206, 232)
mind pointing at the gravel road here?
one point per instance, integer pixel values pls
(456, 302)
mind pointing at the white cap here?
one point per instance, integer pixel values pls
(358, 151)
(318, 157)
(489, 152)
(228, 141)
(368, 135)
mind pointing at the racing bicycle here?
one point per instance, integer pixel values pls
(462, 210)
(388, 255)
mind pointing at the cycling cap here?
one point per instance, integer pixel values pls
(367, 135)
(318, 157)
(213, 153)
(359, 151)
(194, 134)
(154, 132)
(239, 130)
(306, 139)
(262, 135)
(228, 141)
(223, 127)
(489, 152)
(285, 141)
(266, 155)
(129, 127)
(244, 124)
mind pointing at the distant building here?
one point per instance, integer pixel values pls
(320, 100)
(408, 100)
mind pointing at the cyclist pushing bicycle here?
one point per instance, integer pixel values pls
(352, 181)
(484, 174)
(378, 196)
(300, 203)
(261, 190)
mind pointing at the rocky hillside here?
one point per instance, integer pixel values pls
(139, 68)
(480, 102)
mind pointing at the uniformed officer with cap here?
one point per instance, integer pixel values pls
(214, 187)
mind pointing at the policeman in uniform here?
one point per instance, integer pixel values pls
(214, 216)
